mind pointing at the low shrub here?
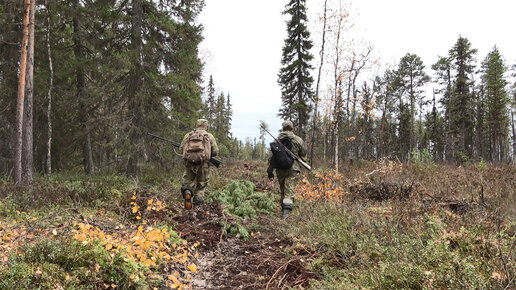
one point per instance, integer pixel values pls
(68, 264)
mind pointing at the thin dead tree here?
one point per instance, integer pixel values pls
(49, 95)
(316, 98)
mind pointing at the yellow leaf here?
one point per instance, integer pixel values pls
(80, 237)
(150, 201)
(496, 276)
(109, 247)
(135, 209)
(193, 268)
(133, 197)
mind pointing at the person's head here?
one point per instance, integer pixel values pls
(202, 124)
(287, 126)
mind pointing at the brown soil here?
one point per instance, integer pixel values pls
(265, 260)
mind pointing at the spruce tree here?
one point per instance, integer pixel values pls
(461, 102)
(209, 104)
(493, 70)
(294, 77)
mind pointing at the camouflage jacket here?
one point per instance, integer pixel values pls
(298, 148)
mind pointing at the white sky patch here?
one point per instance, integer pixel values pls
(244, 39)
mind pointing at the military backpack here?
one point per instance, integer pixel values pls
(281, 157)
(197, 147)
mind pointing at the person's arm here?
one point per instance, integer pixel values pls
(302, 148)
(183, 143)
(270, 169)
(214, 146)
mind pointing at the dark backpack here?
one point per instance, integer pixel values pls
(281, 158)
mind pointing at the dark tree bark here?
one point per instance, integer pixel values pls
(81, 92)
(134, 108)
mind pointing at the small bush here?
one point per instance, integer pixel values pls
(242, 200)
(51, 264)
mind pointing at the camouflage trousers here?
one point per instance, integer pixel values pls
(287, 181)
(196, 177)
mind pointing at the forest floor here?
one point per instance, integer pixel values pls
(376, 225)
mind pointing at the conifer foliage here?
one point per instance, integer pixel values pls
(294, 77)
(120, 69)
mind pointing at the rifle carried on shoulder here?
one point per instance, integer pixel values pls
(213, 161)
(299, 159)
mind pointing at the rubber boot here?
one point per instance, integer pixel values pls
(286, 207)
(187, 196)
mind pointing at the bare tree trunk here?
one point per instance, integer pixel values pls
(321, 54)
(337, 90)
(513, 129)
(382, 130)
(27, 143)
(49, 95)
(336, 160)
(21, 96)
(81, 93)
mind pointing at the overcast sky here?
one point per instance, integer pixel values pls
(244, 38)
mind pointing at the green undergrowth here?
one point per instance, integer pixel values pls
(242, 202)
(390, 251)
(68, 264)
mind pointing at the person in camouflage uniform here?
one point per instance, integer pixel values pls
(196, 176)
(287, 178)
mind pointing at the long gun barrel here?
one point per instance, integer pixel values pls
(301, 161)
(213, 161)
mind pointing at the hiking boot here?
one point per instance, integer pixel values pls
(187, 196)
(286, 207)
(285, 213)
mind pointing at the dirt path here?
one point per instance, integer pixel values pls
(265, 260)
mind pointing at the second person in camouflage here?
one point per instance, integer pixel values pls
(287, 178)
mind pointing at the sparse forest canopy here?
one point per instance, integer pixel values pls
(455, 110)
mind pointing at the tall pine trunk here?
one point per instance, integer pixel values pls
(21, 95)
(27, 143)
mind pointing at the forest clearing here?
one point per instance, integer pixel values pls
(238, 144)
(409, 226)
